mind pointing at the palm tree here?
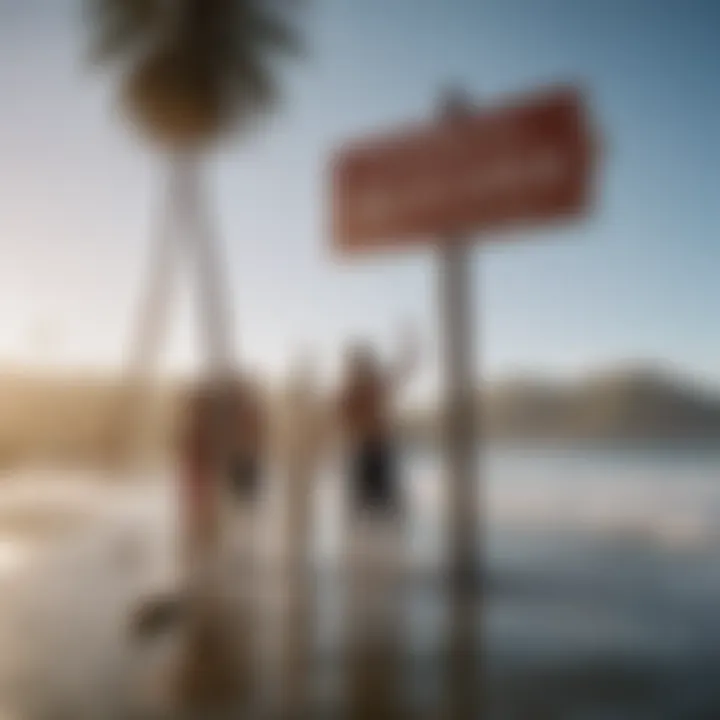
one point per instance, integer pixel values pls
(191, 73)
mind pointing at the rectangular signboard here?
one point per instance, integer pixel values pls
(523, 163)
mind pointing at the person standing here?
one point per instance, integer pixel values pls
(375, 544)
(366, 403)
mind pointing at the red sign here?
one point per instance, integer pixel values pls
(526, 162)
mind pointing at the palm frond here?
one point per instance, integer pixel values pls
(269, 30)
(211, 25)
(252, 83)
(195, 67)
(122, 26)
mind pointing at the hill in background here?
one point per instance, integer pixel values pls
(626, 405)
(70, 418)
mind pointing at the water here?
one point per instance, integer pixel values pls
(602, 601)
(608, 577)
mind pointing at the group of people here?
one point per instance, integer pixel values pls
(253, 441)
(357, 419)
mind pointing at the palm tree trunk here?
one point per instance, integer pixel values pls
(213, 665)
(215, 304)
(183, 221)
(153, 313)
(215, 318)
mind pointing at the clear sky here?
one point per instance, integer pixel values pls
(637, 281)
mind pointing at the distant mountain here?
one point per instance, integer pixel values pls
(634, 404)
(72, 418)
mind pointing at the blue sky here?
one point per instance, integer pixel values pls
(636, 281)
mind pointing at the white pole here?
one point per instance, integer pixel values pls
(460, 436)
(460, 440)
(464, 691)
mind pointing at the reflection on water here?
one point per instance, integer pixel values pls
(604, 579)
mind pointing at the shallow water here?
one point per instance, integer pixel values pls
(604, 582)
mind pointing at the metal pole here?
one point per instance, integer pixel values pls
(460, 436)
(464, 693)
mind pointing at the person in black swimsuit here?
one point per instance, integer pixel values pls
(365, 414)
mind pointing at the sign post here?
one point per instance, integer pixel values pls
(459, 429)
(459, 414)
(460, 443)
(522, 164)
(438, 184)
(460, 440)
